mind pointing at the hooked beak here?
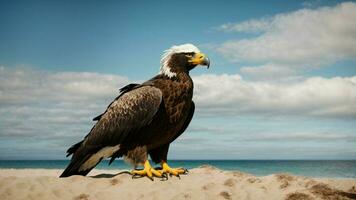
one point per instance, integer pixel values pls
(206, 62)
(200, 59)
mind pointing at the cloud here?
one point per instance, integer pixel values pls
(317, 96)
(52, 110)
(269, 72)
(207, 129)
(301, 137)
(299, 40)
(56, 107)
(250, 26)
(27, 85)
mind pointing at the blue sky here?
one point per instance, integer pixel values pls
(282, 84)
(109, 37)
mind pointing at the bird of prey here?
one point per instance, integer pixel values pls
(144, 119)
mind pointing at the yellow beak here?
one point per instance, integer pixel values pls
(200, 59)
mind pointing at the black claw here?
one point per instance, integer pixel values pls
(164, 177)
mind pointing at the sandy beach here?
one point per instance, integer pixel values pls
(205, 182)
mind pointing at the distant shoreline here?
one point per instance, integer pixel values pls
(311, 168)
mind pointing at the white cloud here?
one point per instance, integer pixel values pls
(269, 72)
(26, 85)
(31, 98)
(254, 25)
(301, 137)
(51, 110)
(40, 104)
(320, 97)
(307, 38)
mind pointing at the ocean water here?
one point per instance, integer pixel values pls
(312, 168)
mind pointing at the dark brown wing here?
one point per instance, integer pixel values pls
(123, 90)
(123, 118)
(126, 115)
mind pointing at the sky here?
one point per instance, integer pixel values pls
(281, 85)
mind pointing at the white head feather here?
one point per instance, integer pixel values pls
(167, 54)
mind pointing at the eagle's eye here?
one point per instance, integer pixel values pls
(189, 55)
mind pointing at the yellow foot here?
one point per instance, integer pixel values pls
(147, 171)
(166, 169)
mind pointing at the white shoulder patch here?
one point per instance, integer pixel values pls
(184, 48)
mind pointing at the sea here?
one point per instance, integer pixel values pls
(311, 168)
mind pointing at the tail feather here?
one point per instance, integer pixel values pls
(74, 167)
(85, 158)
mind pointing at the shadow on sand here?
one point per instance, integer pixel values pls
(110, 175)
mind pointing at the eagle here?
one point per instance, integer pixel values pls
(144, 119)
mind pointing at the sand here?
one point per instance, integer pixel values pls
(205, 182)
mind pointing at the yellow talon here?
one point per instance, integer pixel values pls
(172, 171)
(147, 171)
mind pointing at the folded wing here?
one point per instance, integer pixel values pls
(122, 121)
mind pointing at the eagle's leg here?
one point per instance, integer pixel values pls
(172, 171)
(147, 171)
